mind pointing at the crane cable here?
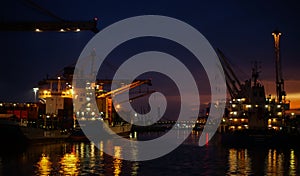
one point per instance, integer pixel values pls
(43, 10)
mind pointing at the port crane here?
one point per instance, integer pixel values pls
(232, 82)
(104, 100)
(279, 79)
(65, 26)
(236, 89)
(125, 88)
(59, 25)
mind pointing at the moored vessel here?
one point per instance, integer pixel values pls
(58, 96)
(251, 116)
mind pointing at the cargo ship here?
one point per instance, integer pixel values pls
(19, 123)
(251, 116)
(57, 95)
(52, 115)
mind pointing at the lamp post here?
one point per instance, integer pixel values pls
(35, 89)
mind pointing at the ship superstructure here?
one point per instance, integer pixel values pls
(56, 98)
(252, 109)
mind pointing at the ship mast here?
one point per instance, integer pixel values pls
(279, 80)
(255, 73)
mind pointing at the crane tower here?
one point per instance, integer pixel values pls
(279, 80)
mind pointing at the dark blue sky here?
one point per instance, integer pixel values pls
(241, 29)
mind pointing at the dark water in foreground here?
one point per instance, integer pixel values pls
(189, 159)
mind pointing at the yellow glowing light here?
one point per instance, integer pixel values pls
(69, 164)
(292, 163)
(101, 148)
(117, 161)
(238, 160)
(92, 152)
(37, 30)
(44, 165)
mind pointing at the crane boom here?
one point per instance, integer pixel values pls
(61, 26)
(124, 88)
(229, 68)
(232, 82)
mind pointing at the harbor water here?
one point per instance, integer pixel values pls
(84, 158)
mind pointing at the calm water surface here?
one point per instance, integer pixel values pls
(189, 159)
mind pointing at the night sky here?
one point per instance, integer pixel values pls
(241, 29)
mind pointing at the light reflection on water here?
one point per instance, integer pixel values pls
(239, 162)
(44, 165)
(117, 162)
(292, 167)
(189, 159)
(69, 164)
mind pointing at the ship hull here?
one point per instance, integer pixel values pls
(39, 135)
(85, 135)
(16, 134)
(259, 138)
(11, 133)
